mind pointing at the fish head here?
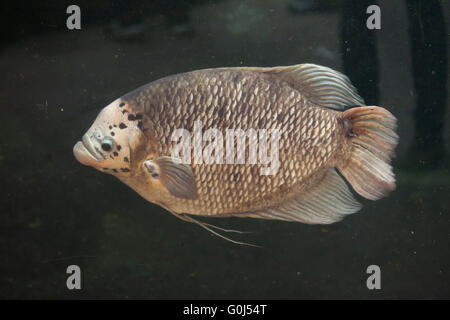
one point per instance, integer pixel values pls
(114, 142)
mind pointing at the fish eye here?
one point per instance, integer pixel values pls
(107, 144)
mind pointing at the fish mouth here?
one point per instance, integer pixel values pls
(85, 152)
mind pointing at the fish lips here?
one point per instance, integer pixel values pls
(85, 152)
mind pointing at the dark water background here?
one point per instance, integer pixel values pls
(54, 212)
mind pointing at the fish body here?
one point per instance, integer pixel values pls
(256, 142)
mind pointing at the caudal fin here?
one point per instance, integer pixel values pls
(373, 138)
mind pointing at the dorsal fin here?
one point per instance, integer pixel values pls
(321, 85)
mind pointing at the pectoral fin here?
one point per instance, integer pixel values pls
(175, 176)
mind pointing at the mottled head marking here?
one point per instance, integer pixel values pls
(106, 148)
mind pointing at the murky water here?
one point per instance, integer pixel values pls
(56, 212)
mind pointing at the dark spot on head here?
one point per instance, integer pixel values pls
(155, 175)
(131, 117)
(140, 124)
(122, 125)
(115, 170)
(119, 147)
(126, 159)
(124, 111)
(115, 126)
(115, 153)
(121, 104)
(110, 127)
(112, 133)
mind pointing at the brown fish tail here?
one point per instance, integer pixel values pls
(371, 131)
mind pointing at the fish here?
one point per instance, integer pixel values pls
(324, 141)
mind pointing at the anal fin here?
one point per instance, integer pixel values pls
(326, 203)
